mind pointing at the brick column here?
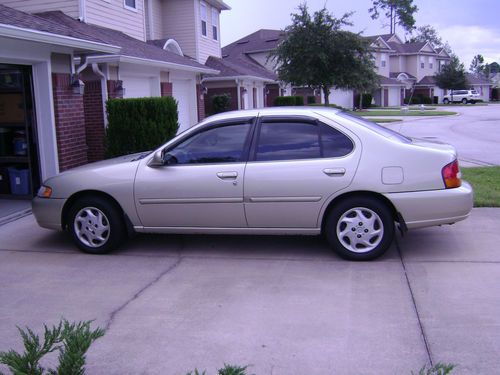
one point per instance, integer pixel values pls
(94, 120)
(166, 88)
(112, 94)
(200, 98)
(70, 123)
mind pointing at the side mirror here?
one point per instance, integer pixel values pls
(157, 160)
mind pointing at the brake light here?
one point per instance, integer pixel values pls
(451, 175)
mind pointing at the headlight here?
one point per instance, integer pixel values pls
(44, 192)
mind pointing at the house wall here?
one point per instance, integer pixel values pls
(343, 98)
(427, 70)
(484, 91)
(207, 46)
(70, 7)
(412, 66)
(94, 120)
(114, 15)
(157, 19)
(178, 22)
(383, 71)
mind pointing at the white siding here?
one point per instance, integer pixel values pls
(178, 20)
(207, 46)
(157, 18)
(343, 98)
(69, 7)
(114, 15)
(382, 70)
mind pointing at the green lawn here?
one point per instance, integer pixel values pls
(383, 120)
(486, 184)
(403, 114)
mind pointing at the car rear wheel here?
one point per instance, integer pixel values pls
(446, 101)
(464, 101)
(360, 228)
(96, 225)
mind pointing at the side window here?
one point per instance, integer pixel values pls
(203, 17)
(224, 144)
(334, 143)
(287, 141)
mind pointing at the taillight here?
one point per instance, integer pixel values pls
(451, 175)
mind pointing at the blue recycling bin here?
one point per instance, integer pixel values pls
(19, 181)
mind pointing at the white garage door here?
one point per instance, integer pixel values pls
(136, 87)
(181, 91)
(394, 96)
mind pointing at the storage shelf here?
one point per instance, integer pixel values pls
(16, 197)
(14, 159)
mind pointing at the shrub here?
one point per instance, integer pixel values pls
(221, 103)
(72, 340)
(367, 100)
(437, 369)
(141, 124)
(311, 99)
(288, 101)
(425, 100)
(495, 94)
(414, 100)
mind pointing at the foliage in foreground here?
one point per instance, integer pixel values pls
(437, 369)
(72, 340)
(486, 184)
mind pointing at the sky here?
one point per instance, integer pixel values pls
(471, 27)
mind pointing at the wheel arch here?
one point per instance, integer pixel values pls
(362, 193)
(93, 193)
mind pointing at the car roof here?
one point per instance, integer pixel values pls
(273, 111)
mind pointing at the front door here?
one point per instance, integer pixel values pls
(201, 183)
(295, 166)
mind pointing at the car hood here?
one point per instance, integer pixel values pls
(107, 163)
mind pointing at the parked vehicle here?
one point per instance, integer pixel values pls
(279, 170)
(462, 96)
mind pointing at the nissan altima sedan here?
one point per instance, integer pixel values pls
(306, 171)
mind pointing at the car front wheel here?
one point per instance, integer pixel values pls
(464, 101)
(360, 228)
(96, 225)
(446, 101)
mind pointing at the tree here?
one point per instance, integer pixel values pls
(427, 33)
(452, 75)
(494, 67)
(399, 12)
(317, 53)
(477, 65)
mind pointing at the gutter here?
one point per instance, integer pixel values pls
(15, 32)
(148, 62)
(234, 78)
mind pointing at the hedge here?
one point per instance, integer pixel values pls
(288, 100)
(141, 124)
(311, 99)
(221, 103)
(367, 100)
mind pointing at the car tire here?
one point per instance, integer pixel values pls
(446, 101)
(472, 102)
(360, 228)
(96, 225)
(464, 101)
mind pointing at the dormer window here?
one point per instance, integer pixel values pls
(130, 4)
(203, 16)
(215, 24)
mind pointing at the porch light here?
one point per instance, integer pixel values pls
(77, 85)
(119, 89)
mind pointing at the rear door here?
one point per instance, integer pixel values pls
(295, 164)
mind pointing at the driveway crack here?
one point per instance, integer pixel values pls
(421, 325)
(141, 291)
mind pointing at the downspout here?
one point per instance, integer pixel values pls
(82, 11)
(104, 91)
(238, 92)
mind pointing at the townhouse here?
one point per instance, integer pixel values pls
(61, 60)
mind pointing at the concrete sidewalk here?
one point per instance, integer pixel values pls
(284, 305)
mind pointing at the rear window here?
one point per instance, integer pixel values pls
(386, 132)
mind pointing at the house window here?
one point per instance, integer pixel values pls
(215, 24)
(431, 62)
(203, 16)
(382, 60)
(130, 4)
(422, 62)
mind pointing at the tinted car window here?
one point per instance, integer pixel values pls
(287, 141)
(224, 144)
(333, 142)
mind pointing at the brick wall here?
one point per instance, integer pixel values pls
(70, 123)
(166, 88)
(232, 91)
(94, 120)
(200, 98)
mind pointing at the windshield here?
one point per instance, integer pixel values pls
(386, 132)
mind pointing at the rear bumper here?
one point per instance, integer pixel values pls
(434, 207)
(48, 212)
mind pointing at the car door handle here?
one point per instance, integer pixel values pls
(334, 171)
(227, 175)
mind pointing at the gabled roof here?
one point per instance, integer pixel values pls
(130, 47)
(409, 48)
(474, 79)
(384, 81)
(396, 74)
(21, 25)
(239, 67)
(376, 41)
(387, 38)
(427, 80)
(263, 40)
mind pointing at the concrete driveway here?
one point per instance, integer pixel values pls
(475, 132)
(284, 305)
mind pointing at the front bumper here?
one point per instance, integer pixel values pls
(434, 207)
(48, 212)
